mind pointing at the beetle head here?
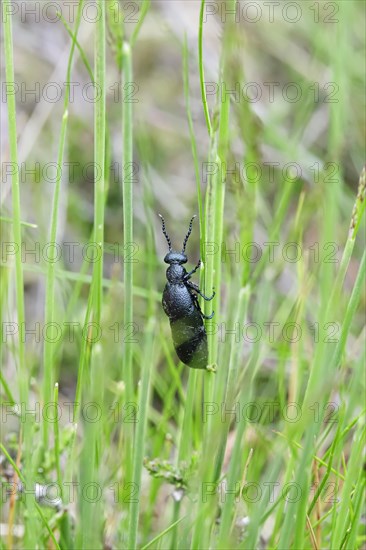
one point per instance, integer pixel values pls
(175, 258)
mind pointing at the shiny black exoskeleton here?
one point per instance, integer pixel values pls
(181, 305)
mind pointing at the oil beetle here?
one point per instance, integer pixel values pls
(181, 305)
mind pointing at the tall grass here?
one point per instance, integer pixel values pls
(265, 447)
(24, 435)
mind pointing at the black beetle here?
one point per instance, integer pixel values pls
(181, 305)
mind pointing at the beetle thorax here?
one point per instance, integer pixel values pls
(175, 273)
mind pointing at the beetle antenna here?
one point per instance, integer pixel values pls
(188, 234)
(165, 233)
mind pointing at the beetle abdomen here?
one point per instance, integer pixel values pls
(177, 301)
(190, 340)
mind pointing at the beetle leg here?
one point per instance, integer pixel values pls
(189, 275)
(196, 303)
(196, 288)
(208, 316)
